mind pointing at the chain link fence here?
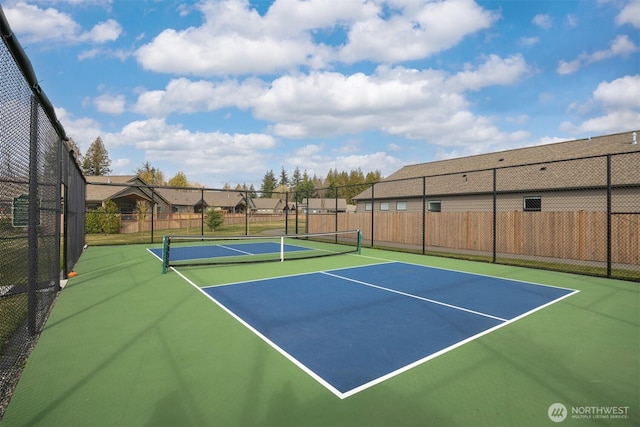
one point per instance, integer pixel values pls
(580, 215)
(36, 170)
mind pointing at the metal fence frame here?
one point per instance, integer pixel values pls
(43, 193)
(492, 217)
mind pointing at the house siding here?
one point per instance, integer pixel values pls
(575, 182)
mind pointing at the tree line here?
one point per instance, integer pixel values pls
(341, 184)
(299, 185)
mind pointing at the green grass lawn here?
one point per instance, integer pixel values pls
(257, 228)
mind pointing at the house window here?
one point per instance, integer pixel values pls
(401, 206)
(532, 204)
(368, 206)
(384, 206)
(434, 206)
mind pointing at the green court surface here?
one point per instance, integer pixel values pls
(126, 345)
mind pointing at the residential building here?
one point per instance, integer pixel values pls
(564, 176)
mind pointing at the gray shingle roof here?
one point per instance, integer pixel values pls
(324, 204)
(193, 196)
(101, 193)
(550, 170)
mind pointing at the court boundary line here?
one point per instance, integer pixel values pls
(480, 274)
(406, 294)
(292, 275)
(450, 348)
(280, 350)
(228, 248)
(387, 260)
(362, 387)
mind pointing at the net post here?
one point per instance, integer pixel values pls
(165, 253)
(281, 248)
(359, 239)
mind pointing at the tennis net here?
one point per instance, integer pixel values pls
(211, 250)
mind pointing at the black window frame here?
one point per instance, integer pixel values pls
(532, 203)
(432, 203)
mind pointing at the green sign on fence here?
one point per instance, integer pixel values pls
(21, 210)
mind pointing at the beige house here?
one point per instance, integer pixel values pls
(194, 200)
(267, 206)
(323, 206)
(126, 191)
(565, 176)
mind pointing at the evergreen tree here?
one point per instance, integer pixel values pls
(252, 192)
(280, 191)
(305, 188)
(373, 177)
(296, 180)
(284, 179)
(318, 186)
(96, 162)
(268, 184)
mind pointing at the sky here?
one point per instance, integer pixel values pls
(225, 91)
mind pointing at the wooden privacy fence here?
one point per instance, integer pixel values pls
(129, 223)
(580, 235)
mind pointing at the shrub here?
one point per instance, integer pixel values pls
(214, 219)
(105, 219)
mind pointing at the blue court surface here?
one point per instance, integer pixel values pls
(182, 253)
(355, 327)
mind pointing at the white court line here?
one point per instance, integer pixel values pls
(415, 296)
(348, 393)
(236, 250)
(280, 350)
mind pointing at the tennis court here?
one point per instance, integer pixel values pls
(376, 338)
(352, 328)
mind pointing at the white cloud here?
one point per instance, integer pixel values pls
(521, 119)
(571, 21)
(235, 39)
(381, 161)
(615, 121)
(529, 41)
(329, 103)
(622, 93)
(422, 105)
(36, 25)
(416, 32)
(83, 130)
(622, 45)
(121, 166)
(568, 67)
(110, 104)
(543, 21)
(494, 71)
(415, 104)
(89, 54)
(312, 159)
(199, 153)
(106, 31)
(185, 96)
(619, 101)
(630, 14)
